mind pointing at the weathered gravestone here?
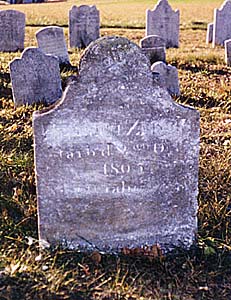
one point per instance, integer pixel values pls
(168, 77)
(165, 22)
(116, 160)
(84, 25)
(153, 46)
(209, 35)
(51, 41)
(35, 77)
(222, 24)
(228, 52)
(12, 30)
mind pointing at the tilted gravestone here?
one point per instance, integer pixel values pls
(209, 35)
(153, 46)
(228, 52)
(168, 77)
(12, 30)
(165, 22)
(84, 25)
(222, 24)
(35, 78)
(116, 160)
(51, 41)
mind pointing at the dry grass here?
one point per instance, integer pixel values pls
(203, 272)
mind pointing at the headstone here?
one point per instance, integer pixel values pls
(12, 30)
(168, 77)
(165, 22)
(35, 78)
(222, 24)
(153, 46)
(209, 35)
(228, 52)
(116, 160)
(84, 25)
(51, 41)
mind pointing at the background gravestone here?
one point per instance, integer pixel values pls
(153, 46)
(209, 34)
(51, 41)
(168, 77)
(12, 30)
(84, 25)
(228, 52)
(35, 77)
(222, 24)
(116, 160)
(165, 22)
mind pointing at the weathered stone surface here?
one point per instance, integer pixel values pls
(152, 41)
(84, 25)
(12, 30)
(168, 77)
(153, 46)
(222, 24)
(35, 77)
(51, 41)
(165, 22)
(116, 160)
(228, 52)
(209, 35)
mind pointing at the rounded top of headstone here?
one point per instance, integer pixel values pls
(49, 30)
(114, 57)
(152, 41)
(12, 12)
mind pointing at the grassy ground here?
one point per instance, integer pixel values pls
(203, 272)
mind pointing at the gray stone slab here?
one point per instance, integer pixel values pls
(12, 30)
(165, 22)
(168, 77)
(51, 40)
(84, 25)
(222, 24)
(116, 160)
(209, 35)
(228, 52)
(35, 78)
(152, 41)
(153, 46)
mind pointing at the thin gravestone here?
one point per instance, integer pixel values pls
(153, 46)
(12, 30)
(35, 78)
(51, 40)
(222, 24)
(165, 22)
(116, 160)
(228, 52)
(168, 77)
(209, 35)
(84, 25)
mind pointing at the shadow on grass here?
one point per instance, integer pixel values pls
(5, 90)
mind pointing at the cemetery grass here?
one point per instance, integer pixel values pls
(203, 272)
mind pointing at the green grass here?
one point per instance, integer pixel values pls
(203, 272)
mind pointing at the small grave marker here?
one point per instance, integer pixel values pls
(168, 77)
(35, 78)
(12, 30)
(165, 22)
(116, 160)
(153, 46)
(228, 52)
(222, 24)
(51, 41)
(84, 25)
(209, 35)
